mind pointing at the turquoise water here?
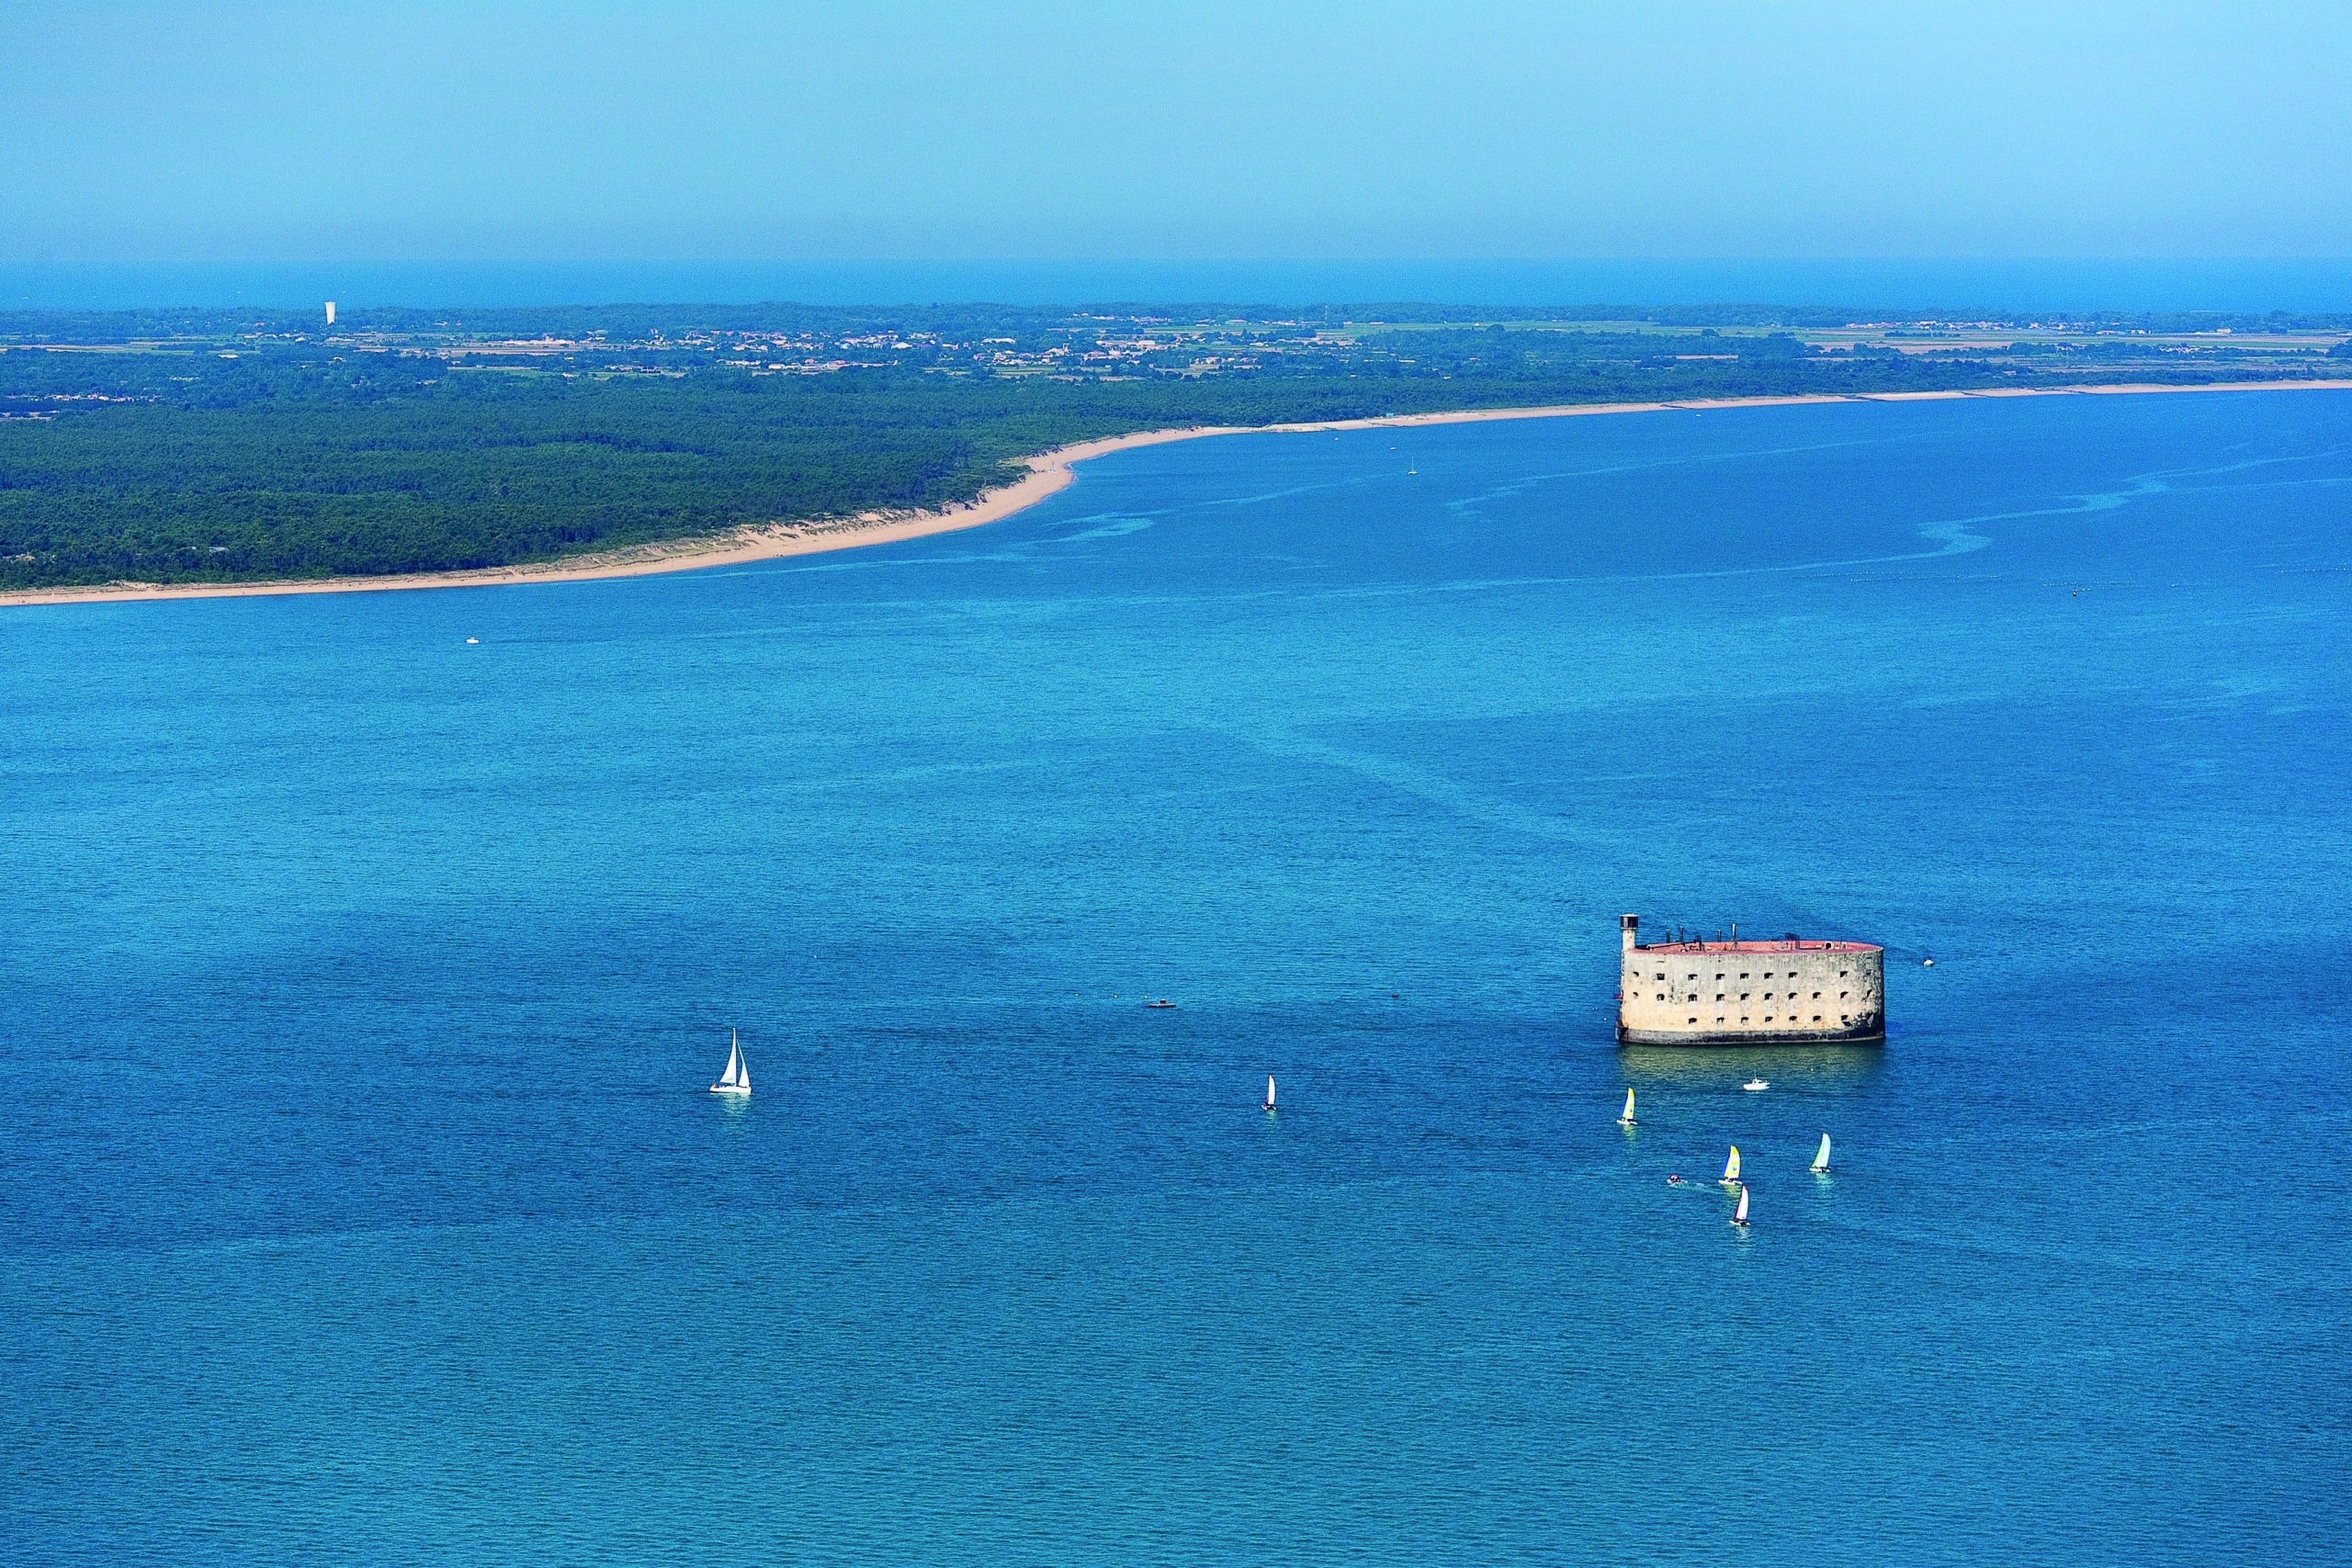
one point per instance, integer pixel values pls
(2044, 283)
(360, 1200)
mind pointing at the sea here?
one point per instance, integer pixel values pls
(368, 957)
(1872, 286)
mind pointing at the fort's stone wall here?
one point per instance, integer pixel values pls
(1750, 992)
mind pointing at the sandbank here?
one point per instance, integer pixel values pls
(1049, 473)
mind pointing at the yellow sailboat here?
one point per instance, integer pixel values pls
(1626, 1120)
(1731, 1168)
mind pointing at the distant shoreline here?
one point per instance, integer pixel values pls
(1049, 473)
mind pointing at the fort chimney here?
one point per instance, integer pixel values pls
(1627, 925)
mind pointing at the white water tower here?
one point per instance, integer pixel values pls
(329, 312)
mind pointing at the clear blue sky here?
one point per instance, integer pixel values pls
(1014, 129)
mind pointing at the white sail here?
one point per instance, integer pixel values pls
(1821, 1159)
(1627, 1117)
(1739, 1217)
(1731, 1166)
(736, 1078)
(1269, 1091)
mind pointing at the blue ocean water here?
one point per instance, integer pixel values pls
(2037, 283)
(360, 1200)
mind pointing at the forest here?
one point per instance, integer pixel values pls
(175, 446)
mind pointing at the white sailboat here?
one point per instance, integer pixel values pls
(1731, 1168)
(1626, 1120)
(1739, 1215)
(1269, 1091)
(736, 1078)
(1821, 1156)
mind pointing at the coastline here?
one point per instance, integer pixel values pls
(1049, 473)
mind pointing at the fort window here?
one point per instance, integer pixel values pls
(1719, 1018)
(1743, 973)
(1816, 996)
(1841, 996)
(1719, 996)
(1661, 996)
(1817, 1018)
(1843, 1019)
(1743, 996)
(1690, 1020)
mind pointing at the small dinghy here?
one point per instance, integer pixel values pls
(1269, 1091)
(1739, 1215)
(1821, 1157)
(1626, 1120)
(1162, 1002)
(1756, 1086)
(736, 1078)
(1731, 1168)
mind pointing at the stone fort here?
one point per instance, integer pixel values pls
(1749, 993)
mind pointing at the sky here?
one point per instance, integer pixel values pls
(1015, 129)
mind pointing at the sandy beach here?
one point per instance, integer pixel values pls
(1050, 472)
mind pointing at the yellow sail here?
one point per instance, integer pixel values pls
(1628, 1117)
(1731, 1166)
